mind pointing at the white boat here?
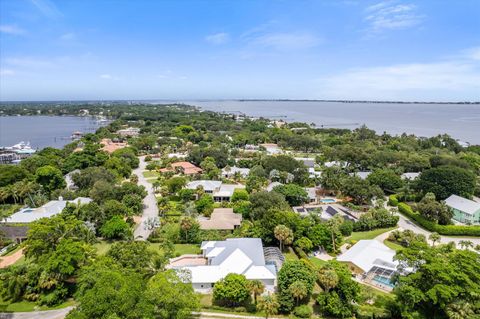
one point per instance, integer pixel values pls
(21, 148)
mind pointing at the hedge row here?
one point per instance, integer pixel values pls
(392, 200)
(449, 230)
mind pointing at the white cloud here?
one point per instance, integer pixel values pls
(440, 80)
(11, 29)
(47, 8)
(391, 15)
(6, 72)
(68, 36)
(106, 76)
(286, 40)
(218, 38)
(473, 53)
(29, 62)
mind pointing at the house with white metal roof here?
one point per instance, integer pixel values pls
(52, 208)
(371, 262)
(410, 176)
(235, 255)
(220, 192)
(465, 211)
(229, 172)
(272, 185)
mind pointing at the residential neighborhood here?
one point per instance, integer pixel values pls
(191, 214)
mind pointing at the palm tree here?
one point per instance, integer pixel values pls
(186, 224)
(459, 310)
(334, 225)
(328, 278)
(4, 194)
(434, 237)
(283, 234)
(465, 244)
(298, 290)
(269, 305)
(256, 288)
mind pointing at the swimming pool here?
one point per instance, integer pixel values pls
(328, 200)
(383, 281)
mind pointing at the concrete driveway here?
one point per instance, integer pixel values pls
(150, 209)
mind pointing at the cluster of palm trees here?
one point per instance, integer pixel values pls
(268, 304)
(22, 192)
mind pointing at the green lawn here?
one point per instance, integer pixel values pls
(150, 174)
(102, 247)
(191, 249)
(392, 245)
(181, 249)
(290, 256)
(371, 234)
(316, 261)
(26, 306)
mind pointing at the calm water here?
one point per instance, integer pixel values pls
(458, 120)
(43, 131)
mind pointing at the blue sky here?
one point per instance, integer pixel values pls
(118, 49)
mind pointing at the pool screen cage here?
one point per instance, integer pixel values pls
(371, 277)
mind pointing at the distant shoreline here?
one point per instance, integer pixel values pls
(155, 101)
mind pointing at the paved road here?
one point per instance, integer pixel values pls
(150, 209)
(11, 259)
(405, 223)
(47, 314)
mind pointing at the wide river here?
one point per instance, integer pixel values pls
(461, 121)
(43, 131)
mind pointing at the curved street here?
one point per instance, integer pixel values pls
(150, 209)
(404, 223)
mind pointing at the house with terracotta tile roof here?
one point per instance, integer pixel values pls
(221, 219)
(110, 146)
(185, 168)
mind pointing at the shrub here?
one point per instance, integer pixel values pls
(116, 227)
(449, 230)
(392, 200)
(303, 311)
(239, 195)
(231, 291)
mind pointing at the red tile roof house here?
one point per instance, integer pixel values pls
(110, 146)
(183, 167)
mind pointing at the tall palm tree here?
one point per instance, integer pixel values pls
(283, 234)
(298, 290)
(334, 225)
(269, 305)
(434, 237)
(256, 288)
(186, 224)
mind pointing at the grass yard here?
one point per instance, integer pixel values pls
(371, 234)
(191, 249)
(181, 249)
(27, 306)
(150, 174)
(317, 262)
(392, 245)
(290, 256)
